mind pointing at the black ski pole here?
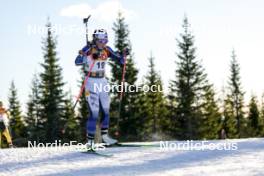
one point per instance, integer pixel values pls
(121, 95)
(85, 21)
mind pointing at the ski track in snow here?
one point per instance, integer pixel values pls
(247, 160)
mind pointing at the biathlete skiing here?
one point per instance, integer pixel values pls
(94, 57)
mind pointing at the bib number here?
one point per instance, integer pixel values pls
(100, 65)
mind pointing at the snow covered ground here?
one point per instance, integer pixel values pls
(246, 158)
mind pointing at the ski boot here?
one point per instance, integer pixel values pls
(11, 145)
(90, 145)
(108, 140)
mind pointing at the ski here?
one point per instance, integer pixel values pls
(132, 145)
(96, 152)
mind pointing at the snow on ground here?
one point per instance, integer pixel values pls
(247, 159)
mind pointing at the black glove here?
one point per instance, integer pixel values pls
(126, 51)
(96, 55)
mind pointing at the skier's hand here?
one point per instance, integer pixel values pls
(126, 51)
(96, 55)
(81, 53)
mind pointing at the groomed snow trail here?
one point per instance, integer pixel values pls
(247, 160)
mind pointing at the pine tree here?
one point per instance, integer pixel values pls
(128, 120)
(261, 120)
(154, 108)
(173, 129)
(17, 125)
(254, 121)
(70, 130)
(35, 128)
(229, 122)
(51, 88)
(189, 87)
(234, 114)
(83, 110)
(210, 126)
(142, 114)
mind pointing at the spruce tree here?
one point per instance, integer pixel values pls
(235, 102)
(189, 87)
(154, 108)
(128, 120)
(229, 121)
(254, 121)
(83, 110)
(51, 88)
(17, 124)
(261, 120)
(173, 129)
(143, 130)
(70, 130)
(210, 126)
(34, 122)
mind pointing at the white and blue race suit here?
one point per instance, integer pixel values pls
(98, 99)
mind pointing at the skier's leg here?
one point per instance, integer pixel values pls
(93, 104)
(8, 137)
(92, 98)
(105, 105)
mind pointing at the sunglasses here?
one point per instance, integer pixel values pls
(103, 41)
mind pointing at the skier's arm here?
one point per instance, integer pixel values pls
(115, 56)
(82, 54)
